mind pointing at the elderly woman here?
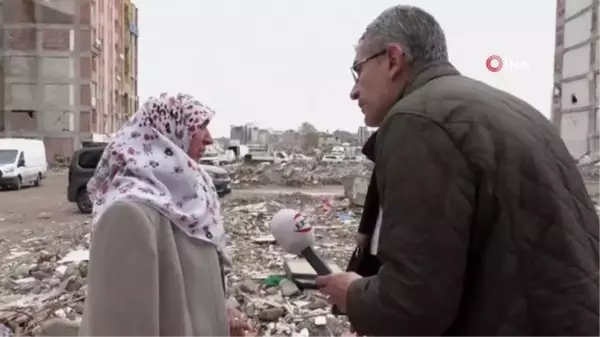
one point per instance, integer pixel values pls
(154, 259)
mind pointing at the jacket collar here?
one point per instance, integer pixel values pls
(369, 148)
(423, 75)
(427, 73)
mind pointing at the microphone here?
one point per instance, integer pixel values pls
(296, 237)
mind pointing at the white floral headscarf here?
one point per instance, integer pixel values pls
(148, 162)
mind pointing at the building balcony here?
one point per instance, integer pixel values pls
(97, 47)
(133, 29)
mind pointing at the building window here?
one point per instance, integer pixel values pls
(58, 11)
(21, 95)
(24, 67)
(19, 11)
(58, 68)
(21, 39)
(85, 121)
(56, 39)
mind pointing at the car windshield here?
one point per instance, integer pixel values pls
(8, 156)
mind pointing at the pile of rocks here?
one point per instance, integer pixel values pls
(297, 174)
(590, 170)
(43, 279)
(59, 161)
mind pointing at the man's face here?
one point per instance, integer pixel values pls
(377, 81)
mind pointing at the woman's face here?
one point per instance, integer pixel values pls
(200, 140)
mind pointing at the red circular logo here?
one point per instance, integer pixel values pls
(494, 63)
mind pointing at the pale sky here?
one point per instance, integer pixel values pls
(279, 63)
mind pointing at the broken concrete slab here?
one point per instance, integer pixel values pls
(296, 174)
(355, 188)
(59, 327)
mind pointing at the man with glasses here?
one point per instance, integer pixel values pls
(487, 228)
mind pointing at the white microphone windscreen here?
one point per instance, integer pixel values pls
(292, 232)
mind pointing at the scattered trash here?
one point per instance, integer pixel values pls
(43, 279)
(5, 331)
(273, 280)
(590, 170)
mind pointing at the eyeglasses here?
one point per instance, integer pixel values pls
(356, 67)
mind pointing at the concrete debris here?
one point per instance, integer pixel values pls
(43, 279)
(288, 288)
(355, 188)
(58, 170)
(296, 174)
(59, 161)
(59, 327)
(589, 169)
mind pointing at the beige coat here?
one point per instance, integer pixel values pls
(147, 277)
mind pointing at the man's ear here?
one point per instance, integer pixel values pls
(396, 59)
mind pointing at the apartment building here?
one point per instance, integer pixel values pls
(68, 72)
(362, 135)
(245, 134)
(130, 51)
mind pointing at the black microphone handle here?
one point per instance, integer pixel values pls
(316, 261)
(321, 268)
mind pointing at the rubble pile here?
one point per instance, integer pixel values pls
(59, 161)
(590, 170)
(43, 279)
(296, 174)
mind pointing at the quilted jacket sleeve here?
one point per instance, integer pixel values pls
(427, 192)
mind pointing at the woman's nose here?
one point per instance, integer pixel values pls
(208, 138)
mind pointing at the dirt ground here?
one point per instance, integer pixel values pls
(38, 210)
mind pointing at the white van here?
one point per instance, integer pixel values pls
(22, 161)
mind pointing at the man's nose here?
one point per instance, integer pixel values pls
(208, 138)
(354, 93)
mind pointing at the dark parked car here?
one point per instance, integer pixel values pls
(84, 163)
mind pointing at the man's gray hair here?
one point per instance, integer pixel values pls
(411, 27)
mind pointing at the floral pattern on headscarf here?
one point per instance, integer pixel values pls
(148, 162)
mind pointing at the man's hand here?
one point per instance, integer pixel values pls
(336, 286)
(238, 324)
(361, 240)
